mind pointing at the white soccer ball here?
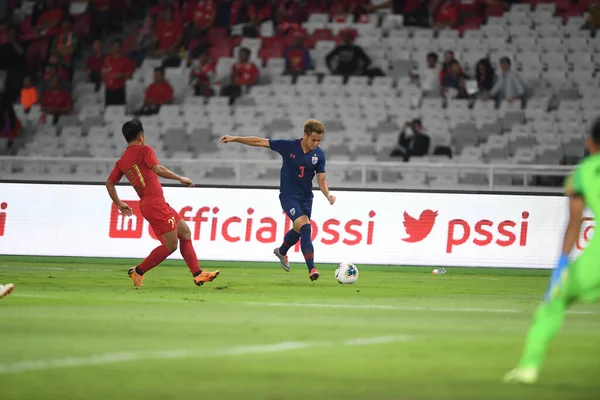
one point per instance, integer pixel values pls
(346, 273)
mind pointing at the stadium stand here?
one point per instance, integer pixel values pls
(517, 122)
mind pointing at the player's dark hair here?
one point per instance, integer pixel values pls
(505, 60)
(432, 55)
(595, 133)
(160, 69)
(132, 129)
(245, 50)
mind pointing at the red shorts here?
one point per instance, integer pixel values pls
(161, 216)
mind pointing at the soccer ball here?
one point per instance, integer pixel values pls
(346, 273)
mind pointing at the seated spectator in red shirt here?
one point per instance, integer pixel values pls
(158, 93)
(50, 17)
(244, 74)
(168, 35)
(55, 69)
(56, 101)
(443, 13)
(342, 10)
(203, 74)
(65, 44)
(198, 17)
(258, 11)
(116, 69)
(297, 57)
(448, 60)
(289, 11)
(94, 64)
(9, 123)
(158, 10)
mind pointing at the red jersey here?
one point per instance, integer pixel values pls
(168, 33)
(204, 73)
(159, 93)
(53, 17)
(116, 65)
(205, 13)
(57, 100)
(244, 73)
(136, 163)
(261, 14)
(94, 62)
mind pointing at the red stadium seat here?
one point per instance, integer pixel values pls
(322, 34)
(268, 42)
(272, 52)
(218, 52)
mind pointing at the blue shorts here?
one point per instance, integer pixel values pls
(296, 207)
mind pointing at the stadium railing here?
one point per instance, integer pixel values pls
(364, 174)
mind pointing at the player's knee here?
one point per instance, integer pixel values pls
(183, 231)
(171, 245)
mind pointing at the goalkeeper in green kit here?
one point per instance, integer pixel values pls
(576, 281)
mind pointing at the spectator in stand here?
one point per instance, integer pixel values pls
(448, 60)
(203, 75)
(56, 101)
(169, 33)
(9, 123)
(50, 17)
(453, 84)
(351, 59)
(297, 57)
(158, 93)
(412, 142)
(199, 16)
(290, 12)
(443, 13)
(345, 10)
(65, 45)
(593, 20)
(12, 60)
(157, 10)
(259, 11)
(29, 94)
(144, 42)
(428, 78)
(509, 85)
(101, 15)
(486, 77)
(116, 69)
(55, 69)
(94, 63)
(244, 74)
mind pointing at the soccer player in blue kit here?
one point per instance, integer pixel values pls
(302, 159)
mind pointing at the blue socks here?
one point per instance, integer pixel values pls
(290, 239)
(307, 246)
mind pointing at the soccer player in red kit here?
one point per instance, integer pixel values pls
(140, 165)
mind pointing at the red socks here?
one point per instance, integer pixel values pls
(189, 255)
(157, 256)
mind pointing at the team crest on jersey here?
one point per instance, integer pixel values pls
(293, 212)
(315, 160)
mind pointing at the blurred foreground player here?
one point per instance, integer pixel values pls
(576, 281)
(140, 165)
(302, 159)
(6, 289)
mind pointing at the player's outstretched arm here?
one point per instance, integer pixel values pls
(322, 181)
(114, 196)
(248, 140)
(166, 173)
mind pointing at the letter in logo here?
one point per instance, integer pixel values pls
(588, 226)
(419, 229)
(124, 227)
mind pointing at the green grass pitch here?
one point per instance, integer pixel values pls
(76, 328)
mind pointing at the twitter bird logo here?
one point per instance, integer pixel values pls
(419, 229)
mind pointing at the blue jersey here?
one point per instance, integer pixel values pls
(298, 168)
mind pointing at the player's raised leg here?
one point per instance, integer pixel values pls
(158, 255)
(303, 225)
(5, 290)
(189, 255)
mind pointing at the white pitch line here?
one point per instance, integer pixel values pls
(313, 305)
(405, 308)
(58, 269)
(122, 357)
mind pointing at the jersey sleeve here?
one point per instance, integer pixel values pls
(150, 158)
(574, 183)
(116, 175)
(278, 145)
(321, 164)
